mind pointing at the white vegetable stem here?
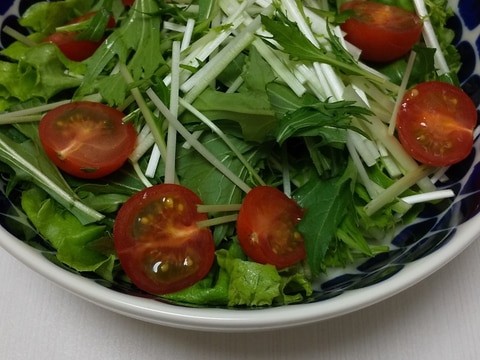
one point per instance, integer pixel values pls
(172, 133)
(187, 36)
(431, 196)
(223, 136)
(12, 117)
(279, 67)
(217, 221)
(379, 131)
(68, 200)
(401, 92)
(430, 37)
(147, 114)
(18, 36)
(198, 82)
(391, 193)
(195, 143)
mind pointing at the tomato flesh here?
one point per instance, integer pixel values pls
(76, 50)
(86, 139)
(159, 245)
(435, 123)
(266, 227)
(383, 32)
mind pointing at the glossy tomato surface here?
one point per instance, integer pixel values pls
(266, 227)
(160, 246)
(86, 139)
(435, 123)
(383, 32)
(76, 50)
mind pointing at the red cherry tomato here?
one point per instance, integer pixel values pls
(383, 32)
(128, 2)
(86, 139)
(266, 227)
(160, 246)
(76, 50)
(435, 123)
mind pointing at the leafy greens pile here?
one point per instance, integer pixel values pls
(252, 69)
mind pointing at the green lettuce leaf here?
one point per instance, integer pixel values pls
(254, 284)
(73, 241)
(40, 73)
(45, 16)
(251, 284)
(212, 290)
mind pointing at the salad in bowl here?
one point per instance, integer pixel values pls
(187, 162)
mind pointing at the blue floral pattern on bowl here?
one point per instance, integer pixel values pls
(434, 227)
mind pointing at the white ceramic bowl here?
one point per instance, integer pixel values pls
(421, 249)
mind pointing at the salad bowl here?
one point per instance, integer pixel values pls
(417, 250)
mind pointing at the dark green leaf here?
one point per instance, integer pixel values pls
(137, 43)
(326, 203)
(251, 110)
(311, 120)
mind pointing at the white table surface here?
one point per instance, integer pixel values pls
(439, 318)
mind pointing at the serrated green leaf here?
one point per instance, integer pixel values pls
(326, 203)
(137, 43)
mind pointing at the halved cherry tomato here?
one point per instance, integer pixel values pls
(383, 32)
(76, 50)
(86, 139)
(266, 227)
(435, 123)
(157, 240)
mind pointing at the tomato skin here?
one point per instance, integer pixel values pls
(383, 32)
(435, 123)
(266, 227)
(76, 50)
(128, 2)
(87, 139)
(159, 245)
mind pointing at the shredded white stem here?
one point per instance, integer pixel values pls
(392, 192)
(204, 208)
(147, 114)
(31, 111)
(430, 196)
(401, 93)
(279, 67)
(198, 82)
(287, 187)
(217, 221)
(195, 143)
(187, 36)
(18, 36)
(21, 119)
(224, 137)
(172, 133)
(430, 38)
(140, 174)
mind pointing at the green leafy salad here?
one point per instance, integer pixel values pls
(225, 96)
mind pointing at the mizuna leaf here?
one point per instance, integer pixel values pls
(30, 163)
(326, 203)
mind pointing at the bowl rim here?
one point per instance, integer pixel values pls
(240, 320)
